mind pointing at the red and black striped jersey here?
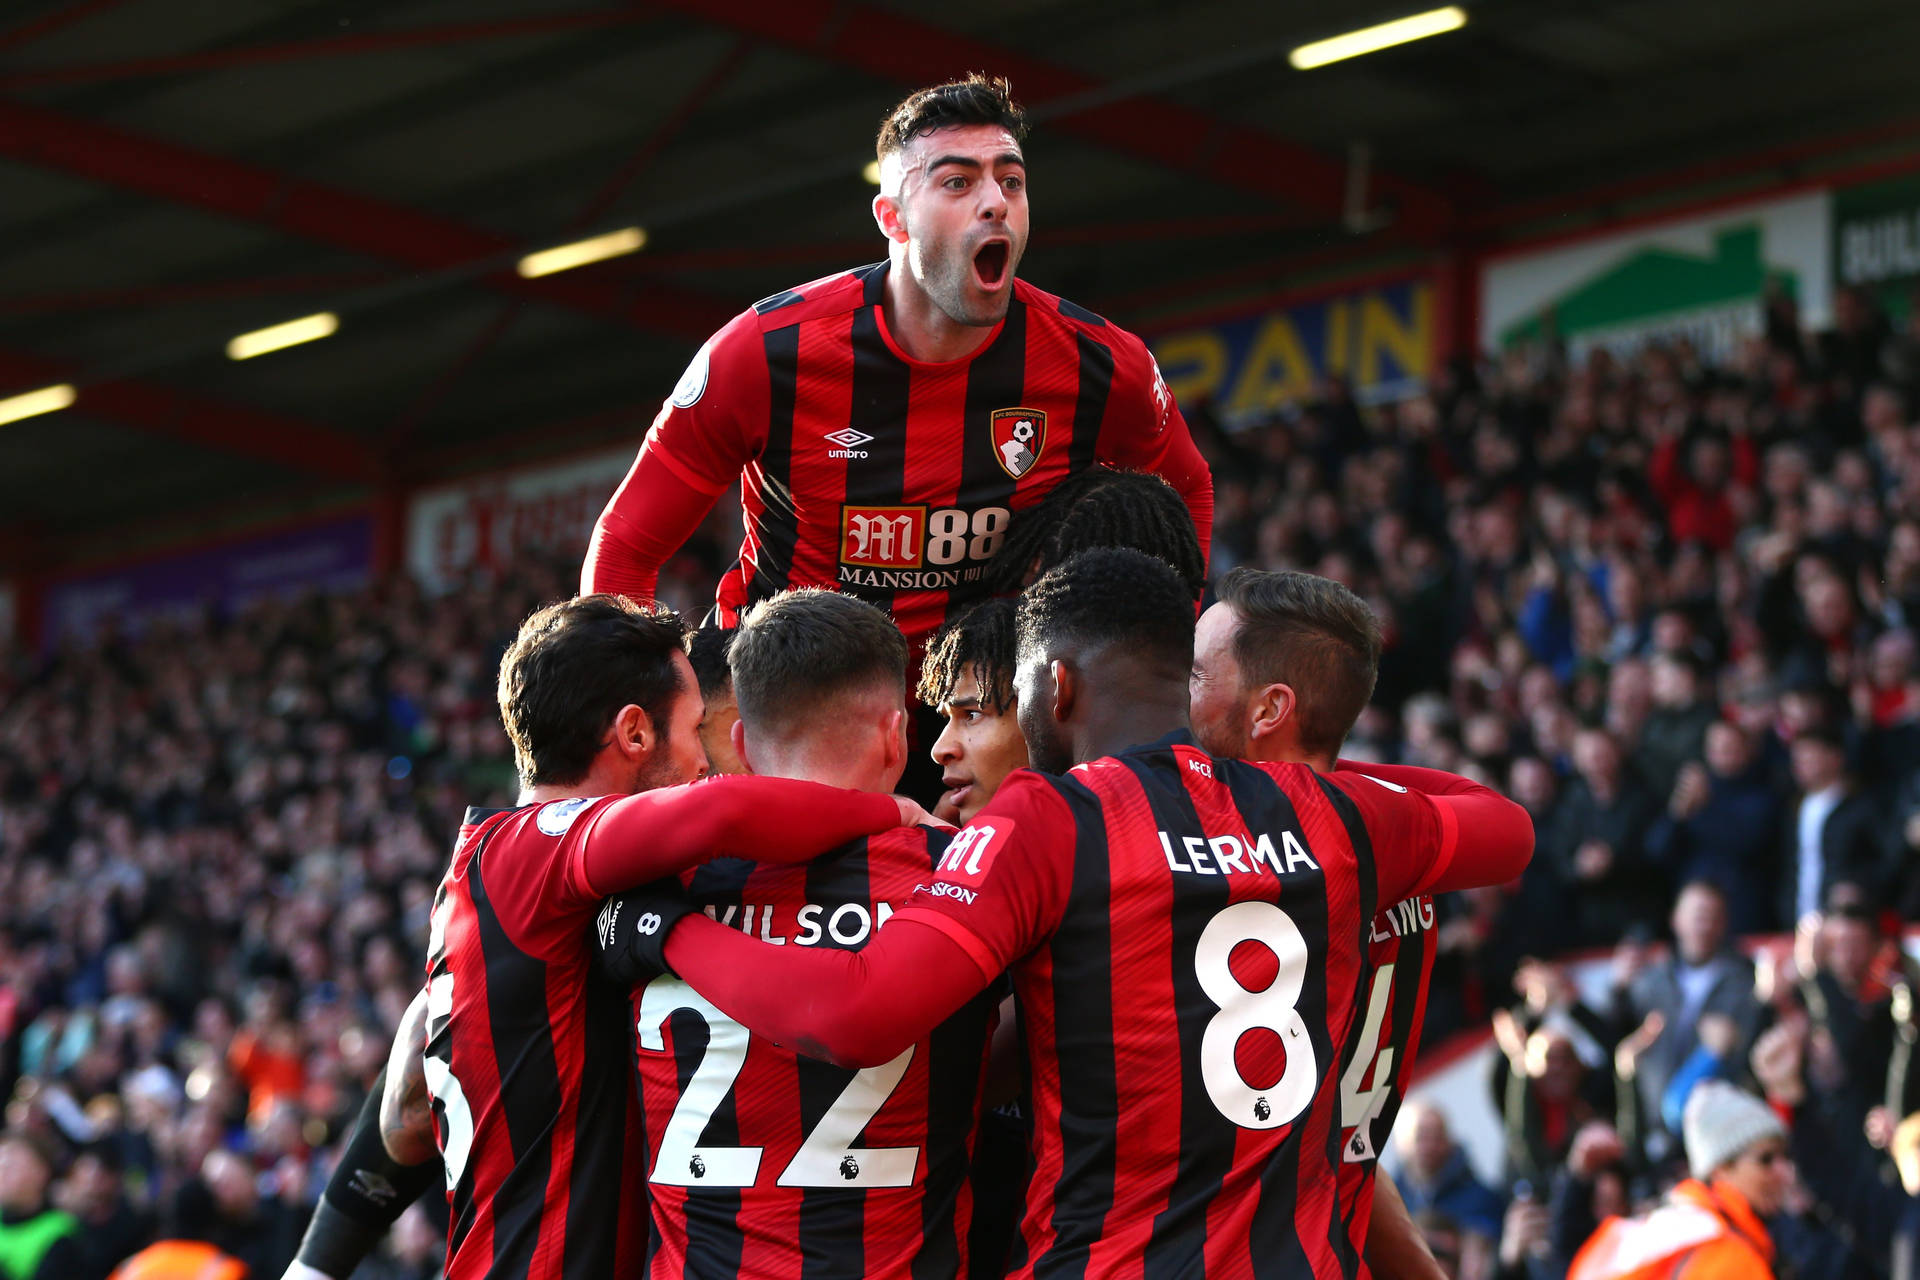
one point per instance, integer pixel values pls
(768, 1165)
(526, 1059)
(1378, 1062)
(1188, 942)
(895, 479)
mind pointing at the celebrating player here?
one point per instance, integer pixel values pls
(525, 1050)
(885, 423)
(1187, 936)
(754, 1167)
(968, 673)
(1282, 666)
(968, 678)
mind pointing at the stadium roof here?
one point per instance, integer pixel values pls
(174, 173)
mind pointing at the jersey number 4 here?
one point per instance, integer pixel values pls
(1358, 1104)
(826, 1158)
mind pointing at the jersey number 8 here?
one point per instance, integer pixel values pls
(1274, 1008)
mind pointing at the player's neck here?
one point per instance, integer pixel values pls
(1268, 751)
(609, 779)
(1113, 724)
(918, 325)
(824, 767)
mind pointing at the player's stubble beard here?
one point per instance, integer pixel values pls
(944, 272)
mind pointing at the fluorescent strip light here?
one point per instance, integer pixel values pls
(1373, 39)
(30, 404)
(581, 252)
(291, 334)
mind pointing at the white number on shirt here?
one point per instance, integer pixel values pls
(1274, 1008)
(456, 1128)
(1358, 1107)
(827, 1156)
(954, 535)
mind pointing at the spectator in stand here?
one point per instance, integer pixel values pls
(1434, 1174)
(1693, 477)
(1836, 834)
(110, 1228)
(1722, 826)
(1605, 816)
(226, 1207)
(1847, 1003)
(1838, 1165)
(1703, 978)
(1545, 1087)
(1676, 729)
(1712, 1226)
(37, 1241)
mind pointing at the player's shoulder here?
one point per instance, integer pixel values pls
(917, 847)
(1051, 308)
(833, 295)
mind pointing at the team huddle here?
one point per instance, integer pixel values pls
(1136, 993)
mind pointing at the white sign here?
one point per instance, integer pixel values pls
(484, 522)
(1703, 278)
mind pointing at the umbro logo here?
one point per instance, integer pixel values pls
(849, 442)
(607, 922)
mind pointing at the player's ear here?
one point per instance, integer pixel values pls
(895, 734)
(633, 734)
(1066, 690)
(1271, 711)
(738, 732)
(886, 213)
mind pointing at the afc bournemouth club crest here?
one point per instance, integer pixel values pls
(1019, 435)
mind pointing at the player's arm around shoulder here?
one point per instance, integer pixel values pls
(1001, 885)
(640, 838)
(1435, 832)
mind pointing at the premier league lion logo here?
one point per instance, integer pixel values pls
(1019, 436)
(849, 1168)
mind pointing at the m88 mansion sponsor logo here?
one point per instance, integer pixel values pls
(910, 547)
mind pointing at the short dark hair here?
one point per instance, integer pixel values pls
(1313, 634)
(979, 640)
(570, 670)
(976, 99)
(1105, 596)
(798, 649)
(1101, 507)
(707, 650)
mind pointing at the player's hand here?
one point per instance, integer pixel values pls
(298, 1270)
(912, 815)
(630, 933)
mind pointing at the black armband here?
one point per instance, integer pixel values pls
(369, 1190)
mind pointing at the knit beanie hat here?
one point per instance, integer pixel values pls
(1720, 1122)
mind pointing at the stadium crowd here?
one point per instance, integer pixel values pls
(1670, 606)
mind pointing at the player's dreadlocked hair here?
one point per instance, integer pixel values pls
(979, 640)
(978, 99)
(1101, 507)
(707, 650)
(1109, 596)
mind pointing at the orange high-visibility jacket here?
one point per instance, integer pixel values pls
(1698, 1233)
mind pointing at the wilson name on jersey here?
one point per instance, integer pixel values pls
(763, 1163)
